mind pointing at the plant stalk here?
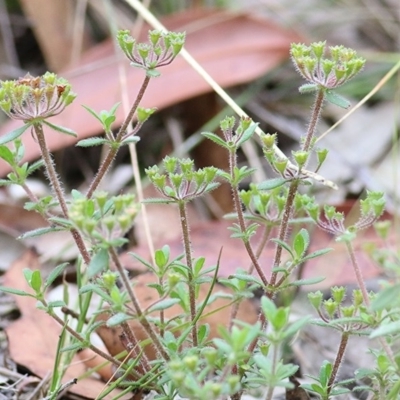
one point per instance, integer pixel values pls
(188, 254)
(112, 152)
(338, 361)
(240, 217)
(141, 317)
(56, 185)
(287, 213)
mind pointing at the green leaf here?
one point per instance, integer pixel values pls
(272, 183)
(61, 129)
(216, 139)
(56, 304)
(301, 242)
(163, 305)
(325, 373)
(94, 113)
(15, 291)
(117, 319)
(5, 182)
(248, 133)
(386, 329)
(315, 254)
(130, 140)
(152, 73)
(34, 166)
(7, 155)
(36, 281)
(95, 141)
(268, 307)
(308, 88)
(54, 274)
(296, 326)
(73, 347)
(386, 298)
(40, 232)
(336, 99)
(308, 281)
(99, 263)
(247, 278)
(283, 245)
(9, 137)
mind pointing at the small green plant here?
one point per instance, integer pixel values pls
(179, 355)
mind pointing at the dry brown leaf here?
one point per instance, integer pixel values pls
(233, 48)
(33, 337)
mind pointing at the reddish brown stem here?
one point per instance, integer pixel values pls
(109, 158)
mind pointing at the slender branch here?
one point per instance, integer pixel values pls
(287, 213)
(338, 361)
(188, 254)
(141, 317)
(56, 185)
(241, 221)
(358, 273)
(77, 336)
(361, 285)
(112, 152)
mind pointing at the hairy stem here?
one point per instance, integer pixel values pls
(188, 254)
(363, 288)
(338, 361)
(77, 336)
(112, 152)
(358, 273)
(240, 217)
(141, 317)
(56, 185)
(287, 213)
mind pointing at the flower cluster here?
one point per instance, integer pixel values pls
(35, 98)
(328, 73)
(181, 181)
(371, 209)
(161, 49)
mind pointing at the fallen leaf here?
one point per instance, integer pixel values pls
(233, 48)
(33, 337)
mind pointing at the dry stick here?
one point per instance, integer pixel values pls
(105, 165)
(188, 254)
(55, 183)
(141, 317)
